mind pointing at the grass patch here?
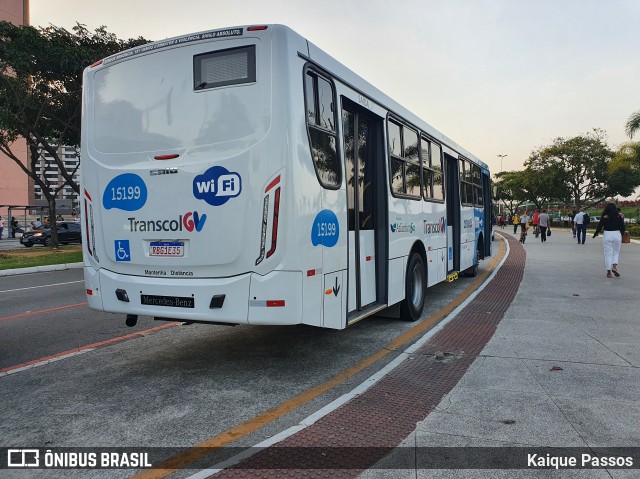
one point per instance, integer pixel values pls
(39, 256)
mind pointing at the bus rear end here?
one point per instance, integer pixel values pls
(176, 185)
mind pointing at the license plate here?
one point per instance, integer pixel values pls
(169, 301)
(166, 248)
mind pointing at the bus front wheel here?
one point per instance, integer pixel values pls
(415, 289)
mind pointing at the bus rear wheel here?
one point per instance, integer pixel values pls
(415, 289)
(473, 271)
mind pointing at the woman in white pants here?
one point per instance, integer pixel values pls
(613, 225)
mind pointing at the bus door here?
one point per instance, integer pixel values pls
(452, 185)
(366, 205)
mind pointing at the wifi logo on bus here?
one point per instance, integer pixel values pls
(217, 185)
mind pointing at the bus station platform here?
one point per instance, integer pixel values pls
(544, 360)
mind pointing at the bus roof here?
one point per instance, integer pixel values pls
(315, 55)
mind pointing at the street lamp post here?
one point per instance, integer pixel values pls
(501, 158)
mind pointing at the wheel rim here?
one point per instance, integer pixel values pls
(417, 282)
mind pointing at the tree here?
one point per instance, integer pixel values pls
(581, 164)
(624, 168)
(40, 94)
(509, 189)
(633, 124)
(541, 182)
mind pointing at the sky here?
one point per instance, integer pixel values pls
(499, 77)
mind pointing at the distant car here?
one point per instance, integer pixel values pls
(68, 232)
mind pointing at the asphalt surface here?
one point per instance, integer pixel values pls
(174, 387)
(561, 370)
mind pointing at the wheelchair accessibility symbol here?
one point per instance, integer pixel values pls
(122, 250)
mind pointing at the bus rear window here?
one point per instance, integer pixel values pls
(224, 67)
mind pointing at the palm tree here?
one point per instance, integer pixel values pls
(633, 124)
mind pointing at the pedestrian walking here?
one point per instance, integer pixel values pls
(1, 226)
(524, 223)
(545, 223)
(516, 221)
(580, 221)
(613, 225)
(536, 223)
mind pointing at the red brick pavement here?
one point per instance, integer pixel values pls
(361, 432)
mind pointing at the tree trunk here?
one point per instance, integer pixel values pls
(52, 221)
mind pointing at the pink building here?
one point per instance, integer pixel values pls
(14, 183)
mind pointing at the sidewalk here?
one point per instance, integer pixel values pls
(547, 355)
(562, 369)
(9, 243)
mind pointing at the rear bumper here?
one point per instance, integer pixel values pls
(248, 299)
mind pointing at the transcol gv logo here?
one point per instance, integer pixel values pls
(217, 185)
(435, 228)
(192, 221)
(189, 221)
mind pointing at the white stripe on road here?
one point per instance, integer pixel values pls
(42, 363)
(43, 286)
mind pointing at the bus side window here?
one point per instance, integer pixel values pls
(404, 159)
(436, 164)
(477, 185)
(412, 158)
(467, 187)
(427, 171)
(395, 155)
(321, 125)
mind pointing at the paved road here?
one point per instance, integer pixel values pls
(9, 243)
(44, 314)
(173, 387)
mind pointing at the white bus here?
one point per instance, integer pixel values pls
(244, 176)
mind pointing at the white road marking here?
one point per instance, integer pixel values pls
(43, 286)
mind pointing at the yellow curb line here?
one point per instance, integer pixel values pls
(227, 437)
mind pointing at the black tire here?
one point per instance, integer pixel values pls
(48, 242)
(415, 289)
(471, 272)
(28, 245)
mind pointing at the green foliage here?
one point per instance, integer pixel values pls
(624, 169)
(41, 91)
(627, 154)
(542, 182)
(634, 230)
(41, 85)
(43, 256)
(633, 124)
(510, 189)
(579, 167)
